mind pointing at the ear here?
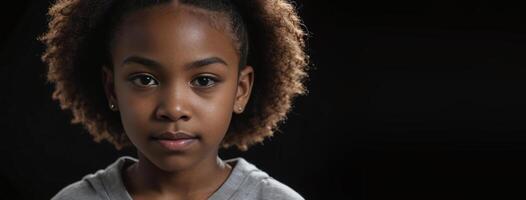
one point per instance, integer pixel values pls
(244, 88)
(109, 85)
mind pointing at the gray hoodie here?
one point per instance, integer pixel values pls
(245, 182)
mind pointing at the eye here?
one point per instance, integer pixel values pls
(204, 81)
(144, 81)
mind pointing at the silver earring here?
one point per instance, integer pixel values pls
(112, 106)
(239, 109)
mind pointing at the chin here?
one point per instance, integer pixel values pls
(173, 162)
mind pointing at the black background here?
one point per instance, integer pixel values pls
(407, 100)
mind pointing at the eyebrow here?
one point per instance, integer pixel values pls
(154, 64)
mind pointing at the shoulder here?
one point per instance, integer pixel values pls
(79, 190)
(103, 184)
(259, 185)
(273, 189)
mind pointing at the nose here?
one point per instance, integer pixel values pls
(174, 105)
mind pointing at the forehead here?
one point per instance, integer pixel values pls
(173, 30)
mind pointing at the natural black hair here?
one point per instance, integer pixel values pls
(79, 40)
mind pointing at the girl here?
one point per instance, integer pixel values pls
(177, 80)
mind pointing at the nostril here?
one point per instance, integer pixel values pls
(172, 113)
(174, 118)
(165, 118)
(185, 117)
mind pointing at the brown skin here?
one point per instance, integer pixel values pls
(176, 96)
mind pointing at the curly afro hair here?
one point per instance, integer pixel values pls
(79, 38)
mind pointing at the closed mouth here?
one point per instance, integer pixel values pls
(179, 135)
(175, 141)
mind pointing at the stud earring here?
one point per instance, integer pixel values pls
(239, 109)
(112, 107)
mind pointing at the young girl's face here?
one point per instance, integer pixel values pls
(173, 71)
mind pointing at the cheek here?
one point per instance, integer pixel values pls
(215, 113)
(219, 106)
(134, 110)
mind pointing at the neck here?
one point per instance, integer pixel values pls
(206, 176)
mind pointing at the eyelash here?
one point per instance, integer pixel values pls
(195, 80)
(137, 77)
(210, 78)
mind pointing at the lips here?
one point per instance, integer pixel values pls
(179, 135)
(175, 141)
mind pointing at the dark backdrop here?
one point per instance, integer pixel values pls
(407, 100)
